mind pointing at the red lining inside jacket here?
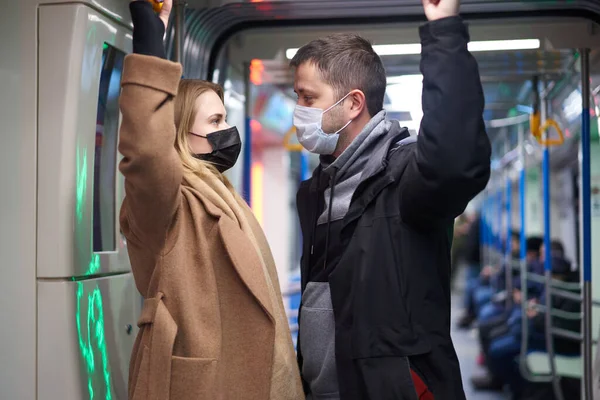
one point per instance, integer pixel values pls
(423, 392)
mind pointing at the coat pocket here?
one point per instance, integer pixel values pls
(193, 378)
(141, 377)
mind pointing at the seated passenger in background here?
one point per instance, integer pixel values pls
(494, 317)
(480, 290)
(535, 265)
(496, 305)
(561, 271)
(505, 341)
(213, 325)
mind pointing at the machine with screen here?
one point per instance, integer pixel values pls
(87, 303)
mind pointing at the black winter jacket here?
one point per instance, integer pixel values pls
(390, 288)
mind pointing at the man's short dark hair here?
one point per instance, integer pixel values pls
(533, 244)
(557, 249)
(347, 61)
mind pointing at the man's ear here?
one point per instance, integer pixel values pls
(358, 103)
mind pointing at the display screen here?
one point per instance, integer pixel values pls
(277, 113)
(105, 157)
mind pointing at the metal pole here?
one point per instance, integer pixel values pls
(523, 250)
(548, 257)
(500, 205)
(483, 231)
(523, 261)
(586, 225)
(247, 170)
(179, 27)
(304, 166)
(523, 233)
(508, 267)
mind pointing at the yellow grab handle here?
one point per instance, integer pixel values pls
(286, 141)
(537, 130)
(534, 125)
(156, 5)
(550, 123)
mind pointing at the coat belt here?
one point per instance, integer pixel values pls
(163, 331)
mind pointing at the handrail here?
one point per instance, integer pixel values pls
(548, 262)
(525, 372)
(565, 294)
(508, 249)
(533, 277)
(550, 283)
(566, 334)
(555, 312)
(508, 121)
(499, 244)
(553, 288)
(538, 130)
(555, 283)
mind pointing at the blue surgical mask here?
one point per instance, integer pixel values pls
(309, 129)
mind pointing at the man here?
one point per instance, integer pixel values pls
(377, 215)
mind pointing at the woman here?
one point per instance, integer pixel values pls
(213, 325)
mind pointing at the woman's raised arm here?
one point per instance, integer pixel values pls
(151, 166)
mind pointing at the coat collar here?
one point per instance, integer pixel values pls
(242, 252)
(246, 262)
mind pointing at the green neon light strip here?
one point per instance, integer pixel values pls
(95, 324)
(88, 342)
(81, 185)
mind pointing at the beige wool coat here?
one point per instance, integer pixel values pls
(213, 324)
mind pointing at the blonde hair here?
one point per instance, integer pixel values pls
(185, 114)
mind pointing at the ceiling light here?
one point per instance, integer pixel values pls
(488, 45)
(405, 79)
(397, 49)
(500, 45)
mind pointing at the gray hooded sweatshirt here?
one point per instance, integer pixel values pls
(317, 325)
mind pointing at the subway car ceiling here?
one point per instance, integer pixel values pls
(224, 35)
(210, 24)
(236, 33)
(506, 75)
(552, 58)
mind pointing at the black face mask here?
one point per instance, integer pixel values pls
(226, 146)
